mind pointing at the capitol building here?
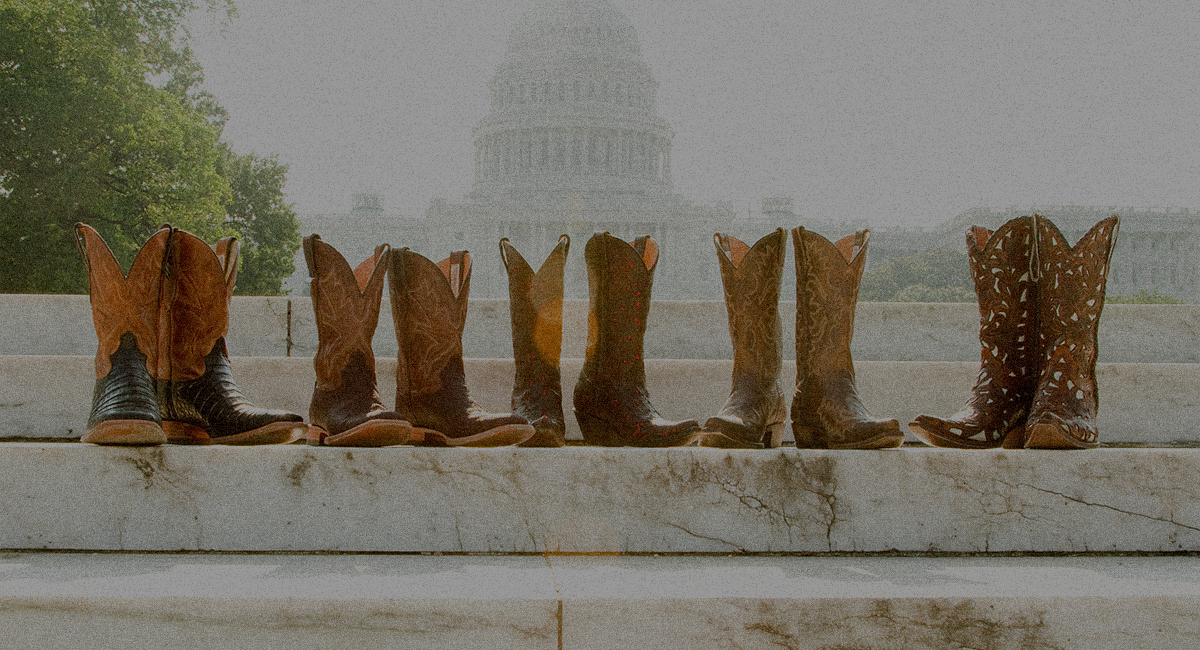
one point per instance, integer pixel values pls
(574, 144)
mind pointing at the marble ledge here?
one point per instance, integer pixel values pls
(595, 500)
(585, 603)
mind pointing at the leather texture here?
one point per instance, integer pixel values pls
(346, 310)
(826, 409)
(429, 307)
(1072, 281)
(611, 402)
(535, 305)
(1002, 267)
(756, 411)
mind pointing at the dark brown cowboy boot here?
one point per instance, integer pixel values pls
(198, 398)
(1001, 265)
(756, 412)
(612, 404)
(826, 409)
(1072, 281)
(535, 303)
(346, 409)
(429, 307)
(125, 312)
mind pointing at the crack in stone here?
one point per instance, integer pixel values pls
(699, 536)
(1103, 505)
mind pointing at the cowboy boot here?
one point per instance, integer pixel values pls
(756, 411)
(535, 303)
(125, 312)
(1071, 297)
(826, 409)
(429, 307)
(612, 404)
(1001, 265)
(198, 398)
(346, 409)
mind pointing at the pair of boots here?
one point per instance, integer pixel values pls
(1039, 306)
(429, 308)
(826, 411)
(162, 370)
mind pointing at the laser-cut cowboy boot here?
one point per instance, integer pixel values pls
(611, 402)
(429, 307)
(1001, 266)
(125, 312)
(535, 303)
(755, 414)
(1071, 282)
(197, 395)
(826, 409)
(346, 409)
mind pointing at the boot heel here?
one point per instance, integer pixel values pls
(809, 437)
(316, 436)
(182, 433)
(597, 431)
(774, 436)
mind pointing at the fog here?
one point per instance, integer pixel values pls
(894, 112)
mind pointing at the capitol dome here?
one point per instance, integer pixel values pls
(572, 109)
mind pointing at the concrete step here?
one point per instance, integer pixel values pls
(70, 601)
(1156, 404)
(676, 329)
(595, 500)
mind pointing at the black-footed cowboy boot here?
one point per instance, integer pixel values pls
(125, 312)
(536, 303)
(755, 414)
(346, 409)
(198, 398)
(612, 404)
(1005, 283)
(1071, 297)
(429, 307)
(826, 410)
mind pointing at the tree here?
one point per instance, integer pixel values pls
(266, 226)
(85, 136)
(939, 275)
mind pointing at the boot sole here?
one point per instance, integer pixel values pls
(1050, 436)
(546, 438)
(502, 436)
(276, 433)
(372, 433)
(125, 432)
(885, 440)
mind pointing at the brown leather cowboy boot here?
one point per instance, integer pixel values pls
(198, 398)
(612, 404)
(429, 307)
(1001, 265)
(346, 409)
(1072, 281)
(125, 312)
(826, 409)
(755, 414)
(535, 303)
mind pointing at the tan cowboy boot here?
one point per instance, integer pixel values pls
(755, 414)
(826, 409)
(125, 312)
(429, 307)
(346, 409)
(535, 303)
(612, 404)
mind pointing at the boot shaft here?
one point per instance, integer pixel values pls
(752, 278)
(620, 280)
(346, 309)
(535, 307)
(429, 308)
(198, 285)
(827, 281)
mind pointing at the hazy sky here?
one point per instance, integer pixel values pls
(890, 111)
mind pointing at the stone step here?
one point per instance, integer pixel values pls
(676, 329)
(49, 396)
(290, 602)
(297, 498)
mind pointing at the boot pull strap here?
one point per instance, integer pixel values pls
(79, 246)
(504, 252)
(1035, 260)
(979, 235)
(227, 250)
(310, 255)
(567, 245)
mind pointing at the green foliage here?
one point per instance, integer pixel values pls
(266, 226)
(85, 136)
(1143, 297)
(939, 275)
